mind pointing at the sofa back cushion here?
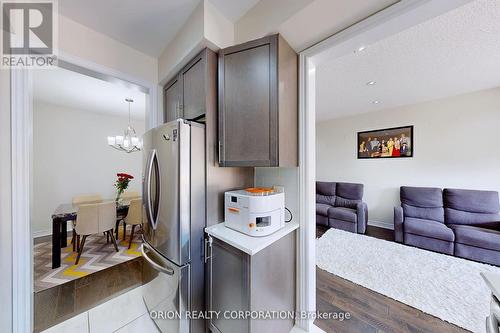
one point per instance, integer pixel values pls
(471, 207)
(422, 203)
(325, 193)
(348, 195)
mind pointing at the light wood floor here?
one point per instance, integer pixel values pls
(370, 311)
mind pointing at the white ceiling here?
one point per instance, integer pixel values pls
(234, 9)
(455, 53)
(145, 25)
(77, 91)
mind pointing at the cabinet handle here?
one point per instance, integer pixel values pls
(208, 248)
(219, 150)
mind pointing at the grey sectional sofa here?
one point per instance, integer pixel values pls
(341, 206)
(464, 223)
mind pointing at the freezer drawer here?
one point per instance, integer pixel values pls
(165, 291)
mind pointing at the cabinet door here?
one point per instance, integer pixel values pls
(229, 286)
(193, 83)
(173, 100)
(248, 104)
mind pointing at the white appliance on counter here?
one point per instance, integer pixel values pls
(254, 211)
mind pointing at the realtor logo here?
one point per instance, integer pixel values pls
(28, 34)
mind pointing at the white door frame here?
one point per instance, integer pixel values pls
(387, 22)
(21, 164)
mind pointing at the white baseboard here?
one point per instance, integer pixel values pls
(48, 232)
(381, 224)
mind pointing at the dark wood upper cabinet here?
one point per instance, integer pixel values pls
(258, 104)
(185, 94)
(173, 100)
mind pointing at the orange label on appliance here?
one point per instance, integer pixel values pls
(233, 210)
(251, 225)
(259, 190)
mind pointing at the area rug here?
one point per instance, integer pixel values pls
(97, 255)
(440, 285)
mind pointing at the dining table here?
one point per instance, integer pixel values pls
(68, 212)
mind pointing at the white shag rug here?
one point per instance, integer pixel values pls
(443, 286)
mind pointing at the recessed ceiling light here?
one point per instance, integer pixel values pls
(361, 48)
(370, 83)
(375, 102)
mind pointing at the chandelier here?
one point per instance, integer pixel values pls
(129, 142)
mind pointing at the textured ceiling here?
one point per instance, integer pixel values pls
(452, 54)
(76, 91)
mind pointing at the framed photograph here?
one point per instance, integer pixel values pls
(396, 142)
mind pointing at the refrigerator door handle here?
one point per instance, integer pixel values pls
(147, 189)
(166, 270)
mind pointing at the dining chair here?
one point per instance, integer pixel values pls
(95, 219)
(127, 196)
(134, 217)
(78, 200)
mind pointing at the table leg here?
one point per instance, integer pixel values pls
(64, 233)
(56, 243)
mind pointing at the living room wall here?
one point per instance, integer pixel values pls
(456, 145)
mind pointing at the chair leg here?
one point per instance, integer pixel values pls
(73, 240)
(80, 249)
(107, 237)
(117, 225)
(110, 232)
(77, 242)
(131, 236)
(124, 230)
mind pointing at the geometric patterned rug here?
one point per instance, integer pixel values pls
(97, 255)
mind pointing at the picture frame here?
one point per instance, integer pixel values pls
(393, 142)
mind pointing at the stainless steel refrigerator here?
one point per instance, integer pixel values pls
(173, 224)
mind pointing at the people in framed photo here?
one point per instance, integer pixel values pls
(393, 142)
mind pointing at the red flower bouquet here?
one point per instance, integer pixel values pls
(121, 183)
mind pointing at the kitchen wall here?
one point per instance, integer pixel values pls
(5, 204)
(206, 27)
(456, 145)
(286, 177)
(71, 157)
(75, 40)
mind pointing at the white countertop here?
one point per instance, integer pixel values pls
(248, 244)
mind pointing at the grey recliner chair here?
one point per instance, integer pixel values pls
(420, 220)
(341, 206)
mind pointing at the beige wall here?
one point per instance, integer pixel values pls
(206, 27)
(456, 145)
(79, 41)
(5, 202)
(304, 22)
(75, 40)
(71, 157)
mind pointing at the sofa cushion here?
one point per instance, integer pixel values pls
(428, 228)
(348, 195)
(424, 197)
(484, 202)
(342, 213)
(422, 203)
(476, 236)
(453, 216)
(322, 209)
(325, 193)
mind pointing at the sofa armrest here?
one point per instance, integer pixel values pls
(398, 224)
(362, 212)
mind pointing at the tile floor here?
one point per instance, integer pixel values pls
(123, 314)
